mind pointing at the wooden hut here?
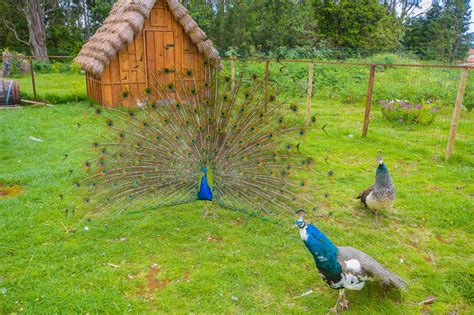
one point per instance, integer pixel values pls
(142, 42)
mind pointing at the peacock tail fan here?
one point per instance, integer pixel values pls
(211, 138)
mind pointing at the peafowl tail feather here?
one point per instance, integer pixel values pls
(155, 154)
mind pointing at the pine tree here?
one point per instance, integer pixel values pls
(441, 33)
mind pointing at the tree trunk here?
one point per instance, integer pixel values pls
(36, 29)
(86, 19)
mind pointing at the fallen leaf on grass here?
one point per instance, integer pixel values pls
(430, 299)
(304, 294)
(214, 239)
(441, 240)
(113, 265)
(35, 139)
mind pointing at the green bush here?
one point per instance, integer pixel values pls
(56, 66)
(403, 112)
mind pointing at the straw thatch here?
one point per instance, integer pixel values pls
(126, 19)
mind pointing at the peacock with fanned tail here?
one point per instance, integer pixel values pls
(218, 140)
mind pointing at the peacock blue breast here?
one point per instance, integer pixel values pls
(324, 253)
(205, 192)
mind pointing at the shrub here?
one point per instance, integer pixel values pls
(403, 112)
(56, 66)
(42, 66)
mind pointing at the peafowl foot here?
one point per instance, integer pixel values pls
(377, 217)
(342, 303)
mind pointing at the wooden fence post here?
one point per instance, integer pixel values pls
(456, 113)
(232, 74)
(35, 97)
(310, 94)
(267, 78)
(368, 102)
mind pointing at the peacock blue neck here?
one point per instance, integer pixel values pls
(382, 175)
(205, 192)
(324, 252)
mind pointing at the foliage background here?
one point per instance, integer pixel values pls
(285, 28)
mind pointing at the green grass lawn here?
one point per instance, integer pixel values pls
(174, 260)
(55, 87)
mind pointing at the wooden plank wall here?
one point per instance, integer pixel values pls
(94, 88)
(136, 68)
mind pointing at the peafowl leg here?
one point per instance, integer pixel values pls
(214, 213)
(213, 209)
(377, 217)
(342, 302)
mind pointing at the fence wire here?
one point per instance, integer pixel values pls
(338, 97)
(411, 104)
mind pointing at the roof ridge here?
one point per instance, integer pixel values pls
(125, 20)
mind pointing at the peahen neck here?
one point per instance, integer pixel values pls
(323, 251)
(382, 176)
(205, 191)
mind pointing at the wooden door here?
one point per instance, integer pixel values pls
(161, 61)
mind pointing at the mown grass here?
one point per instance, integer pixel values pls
(54, 88)
(50, 262)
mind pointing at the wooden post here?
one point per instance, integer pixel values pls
(35, 97)
(267, 78)
(232, 74)
(456, 113)
(310, 94)
(368, 102)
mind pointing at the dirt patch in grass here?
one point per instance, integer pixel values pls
(152, 284)
(10, 190)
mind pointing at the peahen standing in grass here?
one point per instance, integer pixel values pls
(344, 267)
(382, 194)
(229, 143)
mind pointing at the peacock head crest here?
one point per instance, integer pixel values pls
(380, 158)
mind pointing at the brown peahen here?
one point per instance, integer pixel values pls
(230, 143)
(382, 194)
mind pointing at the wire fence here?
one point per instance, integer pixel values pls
(387, 100)
(380, 100)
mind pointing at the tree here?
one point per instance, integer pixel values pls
(360, 25)
(441, 33)
(34, 12)
(403, 8)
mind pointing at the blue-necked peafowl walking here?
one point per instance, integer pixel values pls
(343, 267)
(382, 194)
(229, 143)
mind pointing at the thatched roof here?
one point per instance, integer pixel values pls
(125, 20)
